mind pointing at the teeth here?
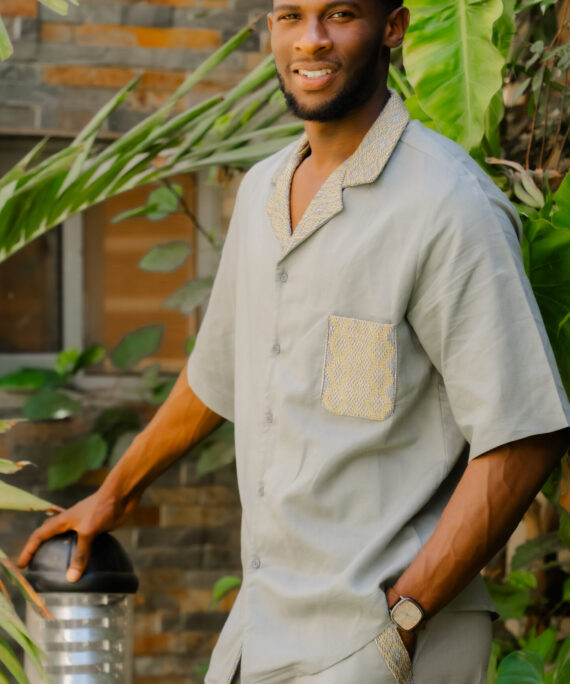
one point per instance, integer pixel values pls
(315, 74)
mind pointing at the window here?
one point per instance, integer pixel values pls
(79, 284)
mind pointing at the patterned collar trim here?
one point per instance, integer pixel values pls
(364, 166)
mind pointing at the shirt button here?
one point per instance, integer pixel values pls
(283, 277)
(261, 490)
(268, 417)
(276, 349)
(256, 563)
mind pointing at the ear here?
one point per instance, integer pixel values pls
(396, 27)
(270, 21)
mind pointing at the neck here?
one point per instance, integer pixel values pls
(333, 142)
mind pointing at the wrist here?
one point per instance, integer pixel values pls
(405, 612)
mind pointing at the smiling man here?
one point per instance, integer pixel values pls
(396, 403)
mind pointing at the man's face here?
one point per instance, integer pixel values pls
(328, 54)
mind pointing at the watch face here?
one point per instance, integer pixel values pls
(407, 614)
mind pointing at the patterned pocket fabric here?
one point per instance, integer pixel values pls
(392, 649)
(359, 378)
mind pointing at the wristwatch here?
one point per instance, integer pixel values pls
(407, 614)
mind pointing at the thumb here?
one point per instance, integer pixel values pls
(79, 559)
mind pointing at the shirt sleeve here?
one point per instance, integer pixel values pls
(211, 363)
(474, 313)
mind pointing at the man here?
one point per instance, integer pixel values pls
(396, 403)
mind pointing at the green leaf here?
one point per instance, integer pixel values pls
(217, 451)
(548, 268)
(511, 601)
(202, 670)
(224, 585)
(522, 579)
(9, 660)
(535, 549)
(521, 667)
(8, 467)
(161, 391)
(16, 499)
(66, 361)
(493, 663)
(189, 345)
(89, 357)
(190, 295)
(544, 643)
(166, 201)
(564, 527)
(122, 443)
(29, 379)
(136, 346)
(453, 65)
(18, 631)
(49, 404)
(562, 665)
(75, 458)
(135, 213)
(166, 257)
(6, 47)
(561, 218)
(112, 422)
(58, 6)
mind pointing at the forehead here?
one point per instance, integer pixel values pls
(322, 5)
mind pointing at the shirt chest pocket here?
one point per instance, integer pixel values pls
(359, 375)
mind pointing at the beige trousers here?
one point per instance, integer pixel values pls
(452, 649)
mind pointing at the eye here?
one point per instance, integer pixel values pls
(290, 16)
(342, 14)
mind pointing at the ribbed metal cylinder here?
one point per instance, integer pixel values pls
(90, 640)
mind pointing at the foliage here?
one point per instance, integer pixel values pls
(10, 624)
(453, 65)
(233, 130)
(6, 48)
(493, 76)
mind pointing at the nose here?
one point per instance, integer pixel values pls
(314, 38)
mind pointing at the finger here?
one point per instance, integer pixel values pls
(49, 529)
(80, 558)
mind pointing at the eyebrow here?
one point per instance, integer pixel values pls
(290, 7)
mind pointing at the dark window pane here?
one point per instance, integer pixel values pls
(30, 297)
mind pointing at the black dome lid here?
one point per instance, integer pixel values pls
(109, 570)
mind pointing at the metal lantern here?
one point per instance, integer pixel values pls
(91, 639)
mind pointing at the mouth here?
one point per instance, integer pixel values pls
(316, 73)
(314, 77)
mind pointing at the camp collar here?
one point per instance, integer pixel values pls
(363, 166)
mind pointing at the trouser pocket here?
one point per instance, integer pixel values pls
(395, 654)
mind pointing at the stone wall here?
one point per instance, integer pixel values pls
(65, 68)
(183, 537)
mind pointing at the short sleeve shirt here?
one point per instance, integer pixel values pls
(365, 359)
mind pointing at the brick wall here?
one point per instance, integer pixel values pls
(183, 537)
(65, 68)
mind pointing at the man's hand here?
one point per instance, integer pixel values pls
(90, 517)
(182, 421)
(490, 499)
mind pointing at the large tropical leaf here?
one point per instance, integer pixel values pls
(547, 255)
(453, 65)
(521, 667)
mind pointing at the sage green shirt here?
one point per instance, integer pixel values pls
(364, 359)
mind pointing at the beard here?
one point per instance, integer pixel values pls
(355, 93)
